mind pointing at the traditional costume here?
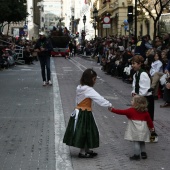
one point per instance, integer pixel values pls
(82, 131)
(137, 126)
(141, 84)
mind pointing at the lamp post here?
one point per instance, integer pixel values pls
(84, 21)
(94, 26)
(136, 20)
(72, 21)
(95, 14)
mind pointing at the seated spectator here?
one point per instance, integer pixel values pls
(27, 55)
(156, 67)
(166, 96)
(149, 59)
(116, 61)
(107, 62)
(126, 63)
(158, 43)
(142, 46)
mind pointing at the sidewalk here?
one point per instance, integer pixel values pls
(31, 121)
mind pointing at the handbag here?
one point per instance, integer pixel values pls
(154, 137)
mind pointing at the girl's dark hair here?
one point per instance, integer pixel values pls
(87, 77)
(159, 55)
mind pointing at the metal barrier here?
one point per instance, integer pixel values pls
(19, 57)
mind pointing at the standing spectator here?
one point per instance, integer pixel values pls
(100, 52)
(44, 48)
(70, 46)
(141, 83)
(75, 47)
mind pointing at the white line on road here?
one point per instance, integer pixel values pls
(77, 64)
(62, 152)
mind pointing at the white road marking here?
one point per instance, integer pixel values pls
(62, 152)
(77, 64)
(111, 97)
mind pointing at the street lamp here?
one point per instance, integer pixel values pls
(94, 26)
(72, 20)
(95, 14)
(136, 19)
(84, 21)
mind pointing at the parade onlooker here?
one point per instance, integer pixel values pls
(71, 47)
(156, 65)
(44, 48)
(141, 83)
(166, 94)
(82, 131)
(142, 46)
(159, 75)
(139, 125)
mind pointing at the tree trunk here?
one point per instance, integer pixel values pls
(155, 29)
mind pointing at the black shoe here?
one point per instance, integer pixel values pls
(143, 155)
(165, 105)
(135, 157)
(92, 153)
(86, 155)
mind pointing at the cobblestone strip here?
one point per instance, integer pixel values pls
(62, 152)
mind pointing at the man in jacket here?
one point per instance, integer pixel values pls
(44, 48)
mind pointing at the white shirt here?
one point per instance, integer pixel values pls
(144, 84)
(156, 66)
(85, 91)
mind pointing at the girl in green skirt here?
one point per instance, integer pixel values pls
(82, 131)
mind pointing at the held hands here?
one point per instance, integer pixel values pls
(110, 108)
(133, 94)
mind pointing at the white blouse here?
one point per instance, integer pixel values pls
(85, 91)
(156, 66)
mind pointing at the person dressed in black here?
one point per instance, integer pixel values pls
(70, 46)
(44, 47)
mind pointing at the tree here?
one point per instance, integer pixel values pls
(12, 11)
(155, 9)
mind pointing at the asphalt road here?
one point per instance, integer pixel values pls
(114, 151)
(33, 120)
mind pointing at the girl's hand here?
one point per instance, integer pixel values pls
(152, 130)
(133, 94)
(110, 109)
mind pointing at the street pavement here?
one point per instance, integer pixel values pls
(33, 120)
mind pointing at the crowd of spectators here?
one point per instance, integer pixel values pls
(114, 54)
(11, 49)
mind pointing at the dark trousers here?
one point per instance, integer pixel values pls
(150, 100)
(45, 67)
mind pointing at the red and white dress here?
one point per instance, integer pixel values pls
(138, 124)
